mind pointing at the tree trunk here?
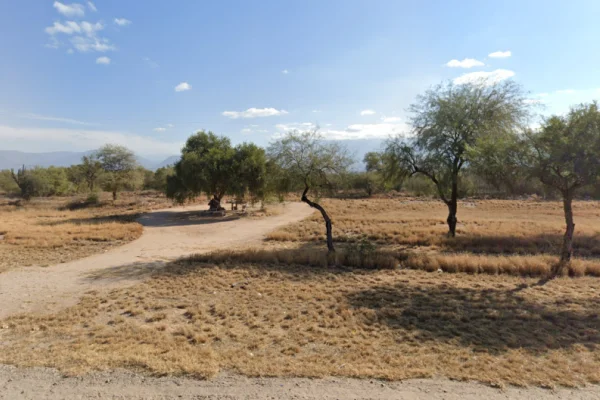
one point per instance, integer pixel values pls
(328, 225)
(567, 247)
(114, 193)
(452, 208)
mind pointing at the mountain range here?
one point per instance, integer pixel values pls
(16, 159)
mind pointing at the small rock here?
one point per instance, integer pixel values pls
(440, 271)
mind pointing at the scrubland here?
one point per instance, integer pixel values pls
(398, 300)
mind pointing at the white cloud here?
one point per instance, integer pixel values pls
(246, 131)
(42, 139)
(90, 29)
(254, 113)
(182, 87)
(533, 101)
(565, 91)
(500, 54)
(84, 44)
(367, 112)
(354, 131)
(542, 95)
(316, 111)
(122, 21)
(69, 10)
(485, 77)
(71, 27)
(92, 6)
(103, 60)
(163, 128)
(285, 72)
(39, 117)
(85, 36)
(466, 63)
(391, 119)
(70, 51)
(68, 28)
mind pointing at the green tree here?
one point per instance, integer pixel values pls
(305, 159)
(249, 164)
(24, 181)
(158, 180)
(118, 164)
(209, 164)
(91, 168)
(446, 121)
(565, 155)
(7, 184)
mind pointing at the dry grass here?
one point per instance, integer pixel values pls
(277, 320)
(353, 257)
(487, 226)
(528, 233)
(45, 232)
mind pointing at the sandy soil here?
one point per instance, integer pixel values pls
(168, 234)
(43, 383)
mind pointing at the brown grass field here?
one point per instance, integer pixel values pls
(46, 231)
(493, 236)
(370, 311)
(199, 318)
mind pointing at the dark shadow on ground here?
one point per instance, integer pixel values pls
(183, 218)
(302, 263)
(488, 320)
(128, 272)
(155, 219)
(583, 245)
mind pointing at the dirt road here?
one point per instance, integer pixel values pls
(43, 383)
(168, 234)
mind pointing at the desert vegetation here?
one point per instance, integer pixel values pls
(397, 292)
(197, 317)
(519, 237)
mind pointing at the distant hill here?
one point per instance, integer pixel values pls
(169, 161)
(16, 159)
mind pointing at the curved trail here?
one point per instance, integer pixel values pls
(168, 234)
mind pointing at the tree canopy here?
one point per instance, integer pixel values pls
(306, 160)
(210, 165)
(118, 163)
(446, 121)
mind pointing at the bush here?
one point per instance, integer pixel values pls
(92, 199)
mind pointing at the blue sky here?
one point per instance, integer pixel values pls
(75, 75)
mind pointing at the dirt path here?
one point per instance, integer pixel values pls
(44, 383)
(168, 234)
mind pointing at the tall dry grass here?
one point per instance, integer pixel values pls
(486, 226)
(528, 233)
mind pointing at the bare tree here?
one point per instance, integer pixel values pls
(307, 161)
